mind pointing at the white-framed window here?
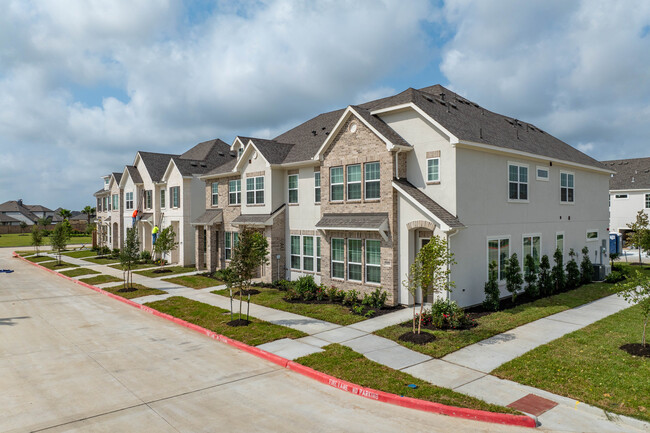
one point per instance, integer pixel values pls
(148, 199)
(354, 260)
(621, 196)
(647, 201)
(106, 181)
(559, 242)
(175, 194)
(532, 245)
(517, 182)
(129, 200)
(317, 186)
(215, 193)
(295, 252)
(373, 261)
(592, 235)
(162, 198)
(255, 190)
(239, 152)
(433, 169)
(318, 254)
(105, 201)
(354, 181)
(336, 184)
(116, 202)
(542, 173)
(499, 252)
(567, 191)
(371, 179)
(234, 191)
(308, 253)
(228, 245)
(293, 188)
(338, 258)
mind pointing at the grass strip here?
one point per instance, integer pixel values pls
(55, 265)
(100, 279)
(78, 271)
(139, 291)
(587, 365)
(273, 298)
(102, 260)
(195, 281)
(25, 240)
(216, 319)
(134, 266)
(169, 270)
(80, 254)
(346, 364)
(39, 259)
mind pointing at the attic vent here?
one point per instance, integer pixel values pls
(203, 165)
(428, 99)
(323, 128)
(221, 154)
(442, 96)
(476, 105)
(313, 132)
(441, 102)
(453, 105)
(194, 164)
(232, 153)
(510, 121)
(327, 133)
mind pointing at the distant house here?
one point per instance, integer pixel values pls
(6, 220)
(16, 210)
(40, 211)
(629, 191)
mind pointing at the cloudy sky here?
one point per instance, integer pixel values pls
(84, 84)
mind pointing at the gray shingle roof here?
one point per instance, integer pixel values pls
(7, 219)
(257, 219)
(443, 214)
(37, 208)
(630, 173)
(275, 152)
(101, 192)
(14, 206)
(117, 176)
(352, 221)
(155, 163)
(309, 136)
(209, 217)
(204, 157)
(381, 127)
(134, 174)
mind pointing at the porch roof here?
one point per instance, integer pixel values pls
(355, 222)
(147, 217)
(209, 217)
(257, 219)
(440, 214)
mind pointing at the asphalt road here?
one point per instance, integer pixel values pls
(75, 360)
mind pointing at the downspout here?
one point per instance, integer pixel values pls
(399, 149)
(450, 233)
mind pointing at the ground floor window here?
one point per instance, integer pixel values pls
(308, 253)
(295, 252)
(338, 258)
(318, 254)
(305, 251)
(373, 261)
(532, 245)
(559, 242)
(354, 259)
(499, 252)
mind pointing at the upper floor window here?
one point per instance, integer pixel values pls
(239, 152)
(433, 170)
(116, 202)
(647, 201)
(148, 199)
(129, 200)
(175, 194)
(336, 184)
(255, 190)
(566, 187)
(542, 173)
(162, 198)
(106, 204)
(293, 188)
(234, 191)
(517, 182)
(592, 235)
(215, 193)
(621, 196)
(317, 186)
(354, 182)
(371, 180)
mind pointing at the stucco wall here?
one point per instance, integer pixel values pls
(624, 210)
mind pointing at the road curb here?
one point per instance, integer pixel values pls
(372, 394)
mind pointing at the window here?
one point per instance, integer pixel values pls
(566, 187)
(235, 239)
(559, 242)
(354, 259)
(295, 252)
(106, 181)
(533, 247)
(317, 186)
(336, 184)
(622, 195)
(214, 193)
(647, 201)
(542, 173)
(148, 199)
(234, 191)
(372, 180)
(255, 190)
(338, 256)
(239, 152)
(499, 252)
(517, 182)
(105, 201)
(129, 200)
(317, 253)
(373, 261)
(228, 246)
(354, 182)
(308, 253)
(116, 203)
(175, 194)
(592, 235)
(162, 198)
(293, 188)
(433, 170)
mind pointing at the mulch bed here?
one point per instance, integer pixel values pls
(161, 271)
(422, 338)
(378, 313)
(246, 292)
(128, 289)
(238, 322)
(409, 325)
(637, 349)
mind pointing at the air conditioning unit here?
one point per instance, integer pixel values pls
(601, 271)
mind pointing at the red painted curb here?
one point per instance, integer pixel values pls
(373, 394)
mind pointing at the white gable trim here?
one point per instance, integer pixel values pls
(410, 105)
(125, 174)
(250, 147)
(426, 212)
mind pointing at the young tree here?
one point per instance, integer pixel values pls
(573, 277)
(23, 226)
(530, 276)
(639, 231)
(248, 255)
(165, 243)
(586, 268)
(514, 280)
(544, 280)
(59, 240)
(557, 273)
(129, 255)
(637, 291)
(431, 270)
(37, 237)
(491, 289)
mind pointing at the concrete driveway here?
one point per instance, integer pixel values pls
(75, 360)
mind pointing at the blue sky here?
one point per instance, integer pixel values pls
(84, 84)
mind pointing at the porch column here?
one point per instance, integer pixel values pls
(211, 248)
(198, 247)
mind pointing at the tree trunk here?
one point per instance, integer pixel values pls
(644, 327)
(420, 321)
(414, 315)
(241, 301)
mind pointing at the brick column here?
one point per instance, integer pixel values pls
(198, 247)
(211, 256)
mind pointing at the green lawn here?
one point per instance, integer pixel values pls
(101, 279)
(134, 266)
(79, 271)
(215, 319)
(25, 240)
(173, 270)
(195, 281)
(501, 321)
(102, 260)
(80, 254)
(55, 265)
(346, 364)
(273, 298)
(587, 365)
(140, 291)
(39, 259)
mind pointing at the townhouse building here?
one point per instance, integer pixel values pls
(350, 196)
(108, 208)
(629, 191)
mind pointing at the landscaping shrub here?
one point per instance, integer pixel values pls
(284, 285)
(615, 277)
(530, 277)
(446, 315)
(306, 287)
(376, 299)
(145, 256)
(586, 268)
(544, 281)
(333, 294)
(116, 253)
(557, 273)
(514, 279)
(572, 272)
(351, 298)
(492, 293)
